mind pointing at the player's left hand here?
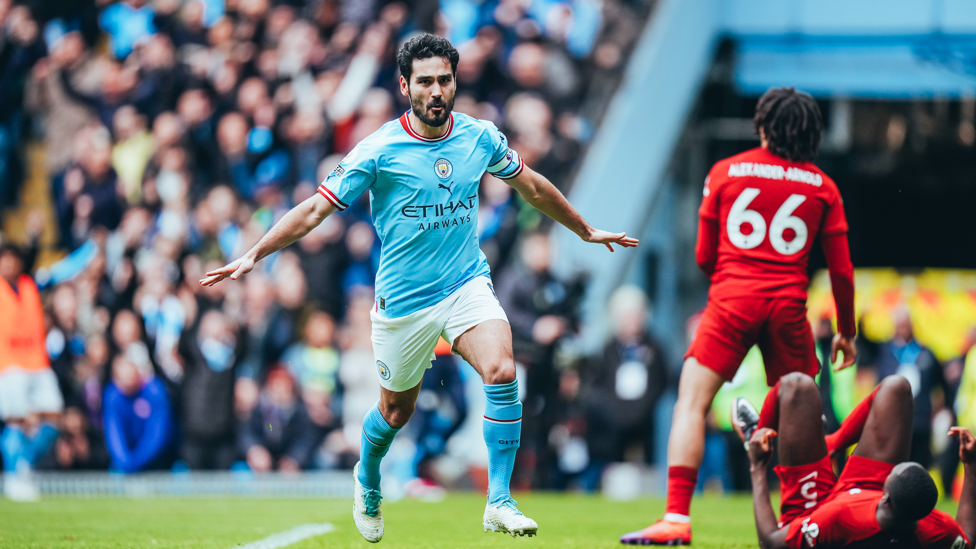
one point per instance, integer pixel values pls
(845, 345)
(967, 444)
(761, 448)
(606, 238)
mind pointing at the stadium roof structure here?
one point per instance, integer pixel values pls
(897, 49)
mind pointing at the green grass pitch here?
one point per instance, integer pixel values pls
(566, 522)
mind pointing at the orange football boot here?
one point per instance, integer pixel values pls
(662, 532)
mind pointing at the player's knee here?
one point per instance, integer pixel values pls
(898, 386)
(795, 387)
(500, 373)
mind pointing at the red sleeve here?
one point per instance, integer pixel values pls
(834, 220)
(841, 280)
(706, 250)
(710, 207)
(941, 531)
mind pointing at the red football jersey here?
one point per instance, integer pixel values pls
(848, 519)
(769, 211)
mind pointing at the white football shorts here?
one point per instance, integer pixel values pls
(26, 392)
(404, 347)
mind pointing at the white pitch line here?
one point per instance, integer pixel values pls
(288, 537)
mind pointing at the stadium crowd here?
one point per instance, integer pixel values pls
(176, 132)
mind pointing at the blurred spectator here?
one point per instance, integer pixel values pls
(63, 116)
(91, 197)
(536, 302)
(314, 362)
(279, 435)
(80, 446)
(133, 149)
(127, 22)
(30, 399)
(572, 458)
(324, 259)
(904, 355)
(539, 308)
(20, 47)
(497, 220)
(210, 352)
(361, 388)
(441, 409)
(139, 425)
(626, 381)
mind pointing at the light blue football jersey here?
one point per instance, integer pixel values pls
(423, 195)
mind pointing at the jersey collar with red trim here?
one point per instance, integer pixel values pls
(405, 122)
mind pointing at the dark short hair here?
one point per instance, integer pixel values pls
(913, 493)
(791, 123)
(11, 248)
(425, 46)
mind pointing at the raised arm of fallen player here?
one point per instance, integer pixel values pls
(771, 536)
(295, 224)
(966, 516)
(545, 197)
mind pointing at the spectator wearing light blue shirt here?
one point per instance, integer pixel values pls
(127, 23)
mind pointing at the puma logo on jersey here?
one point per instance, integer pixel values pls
(446, 187)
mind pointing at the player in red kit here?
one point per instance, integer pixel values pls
(880, 500)
(761, 212)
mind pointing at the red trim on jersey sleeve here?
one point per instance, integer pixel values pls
(331, 197)
(405, 122)
(841, 271)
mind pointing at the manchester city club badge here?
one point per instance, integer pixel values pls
(443, 168)
(383, 369)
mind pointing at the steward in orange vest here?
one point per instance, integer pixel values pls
(22, 327)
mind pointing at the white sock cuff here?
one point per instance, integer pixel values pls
(675, 517)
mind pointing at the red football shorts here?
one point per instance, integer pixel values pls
(864, 473)
(803, 487)
(731, 326)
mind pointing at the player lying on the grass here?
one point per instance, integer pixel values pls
(761, 213)
(422, 172)
(880, 500)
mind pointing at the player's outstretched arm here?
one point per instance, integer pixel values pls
(760, 452)
(545, 197)
(295, 224)
(966, 516)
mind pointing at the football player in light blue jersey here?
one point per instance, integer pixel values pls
(422, 172)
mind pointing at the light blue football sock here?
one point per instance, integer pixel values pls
(502, 428)
(376, 439)
(38, 446)
(13, 446)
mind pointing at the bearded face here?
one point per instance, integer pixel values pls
(431, 90)
(433, 111)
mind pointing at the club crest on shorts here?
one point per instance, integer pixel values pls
(443, 168)
(383, 369)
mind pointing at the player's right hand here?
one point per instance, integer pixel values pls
(233, 270)
(967, 444)
(761, 448)
(845, 345)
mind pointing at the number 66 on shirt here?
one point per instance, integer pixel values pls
(758, 220)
